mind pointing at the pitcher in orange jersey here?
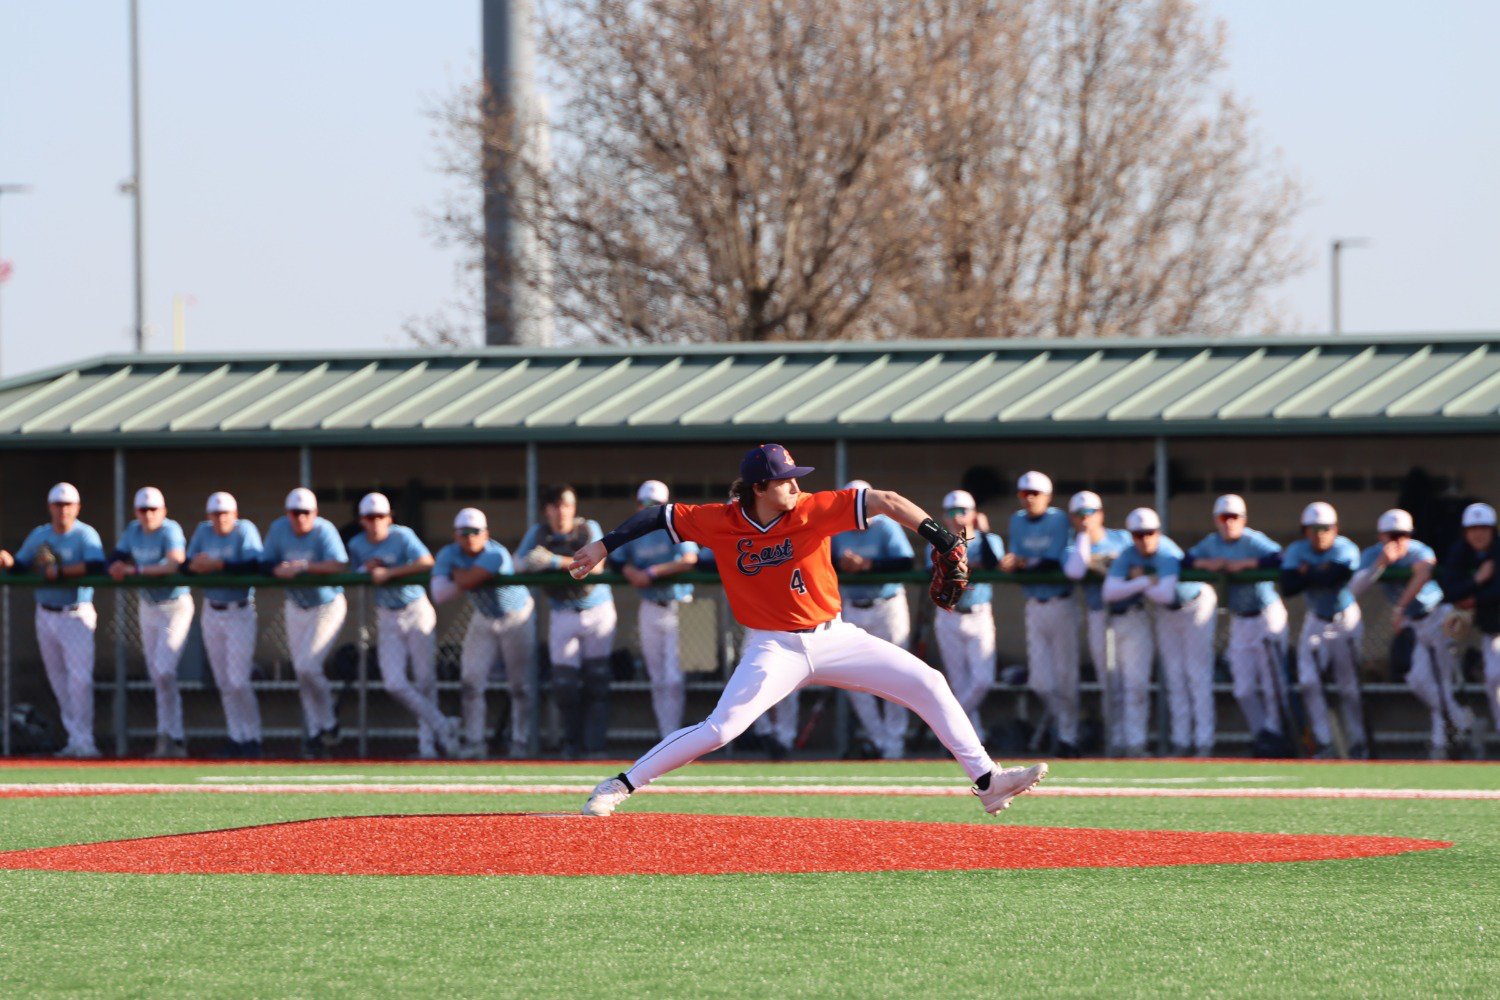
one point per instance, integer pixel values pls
(771, 547)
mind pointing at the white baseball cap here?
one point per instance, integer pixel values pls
(63, 493)
(471, 517)
(1085, 500)
(857, 484)
(1142, 519)
(652, 491)
(149, 496)
(1394, 520)
(1319, 513)
(959, 498)
(1034, 481)
(301, 499)
(374, 503)
(1230, 503)
(221, 502)
(1479, 515)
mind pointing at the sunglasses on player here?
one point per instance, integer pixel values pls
(1143, 534)
(470, 532)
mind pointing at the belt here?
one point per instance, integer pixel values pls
(971, 609)
(1054, 597)
(60, 608)
(872, 602)
(1130, 610)
(660, 604)
(816, 628)
(1250, 614)
(228, 605)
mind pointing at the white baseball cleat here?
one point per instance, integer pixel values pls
(608, 794)
(449, 736)
(1006, 783)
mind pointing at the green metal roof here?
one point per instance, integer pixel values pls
(1036, 388)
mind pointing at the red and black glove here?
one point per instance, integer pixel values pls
(950, 565)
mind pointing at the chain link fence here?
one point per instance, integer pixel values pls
(123, 696)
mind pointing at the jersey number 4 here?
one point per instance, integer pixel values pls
(797, 583)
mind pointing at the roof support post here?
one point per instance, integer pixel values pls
(533, 669)
(840, 463)
(304, 466)
(1161, 483)
(119, 597)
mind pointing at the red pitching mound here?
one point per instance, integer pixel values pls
(667, 844)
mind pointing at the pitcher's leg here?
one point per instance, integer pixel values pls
(849, 658)
(769, 670)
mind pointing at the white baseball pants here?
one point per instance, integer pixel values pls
(66, 639)
(884, 722)
(1130, 689)
(1434, 676)
(1185, 640)
(1489, 645)
(310, 634)
(511, 638)
(575, 636)
(967, 645)
(164, 633)
(409, 635)
(838, 654)
(1331, 647)
(229, 641)
(1052, 661)
(659, 648)
(1256, 652)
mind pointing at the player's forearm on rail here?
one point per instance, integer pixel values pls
(471, 577)
(412, 568)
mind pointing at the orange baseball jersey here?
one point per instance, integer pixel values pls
(778, 577)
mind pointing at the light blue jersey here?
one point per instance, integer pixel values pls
(1166, 562)
(1115, 541)
(151, 548)
(79, 544)
(1429, 597)
(653, 549)
(320, 544)
(1040, 541)
(1243, 598)
(491, 599)
(240, 550)
(977, 593)
(1325, 602)
(579, 597)
(882, 539)
(401, 547)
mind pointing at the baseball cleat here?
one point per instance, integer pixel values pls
(608, 794)
(1005, 784)
(447, 736)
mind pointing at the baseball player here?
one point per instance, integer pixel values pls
(65, 616)
(302, 544)
(1258, 629)
(1095, 548)
(646, 562)
(155, 545)
(1039, 539)
(774, 561)
(1322, 563)
(1418, 604)
(581, 630)
(880, 609)
(407, 623)
(227, 543)
(1471, 580)
(966, 632)
(1152, 567)
(502, 625)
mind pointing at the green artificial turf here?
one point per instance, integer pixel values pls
(1413, 925)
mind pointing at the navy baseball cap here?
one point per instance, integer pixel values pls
(770, 461)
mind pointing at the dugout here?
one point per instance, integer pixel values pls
(1364, 422)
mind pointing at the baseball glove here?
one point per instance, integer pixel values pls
(1458, 625)
(44, 557)
(538, 560)
(950, 576)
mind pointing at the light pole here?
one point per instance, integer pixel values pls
(6, 189)
(1338, 247)
(132, 186)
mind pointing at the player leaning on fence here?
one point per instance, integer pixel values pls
(154, 545)
(63, 548)
(1094, 548)
(1471, 580)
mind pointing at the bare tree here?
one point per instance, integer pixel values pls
(838, 169)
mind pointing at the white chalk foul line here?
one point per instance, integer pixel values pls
(500, 788)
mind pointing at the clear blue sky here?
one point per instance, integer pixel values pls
(289, 164)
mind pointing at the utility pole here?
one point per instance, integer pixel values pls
(6, 189)
(132, 186)
(1339, 246)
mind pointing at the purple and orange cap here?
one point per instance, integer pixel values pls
(770, 461)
